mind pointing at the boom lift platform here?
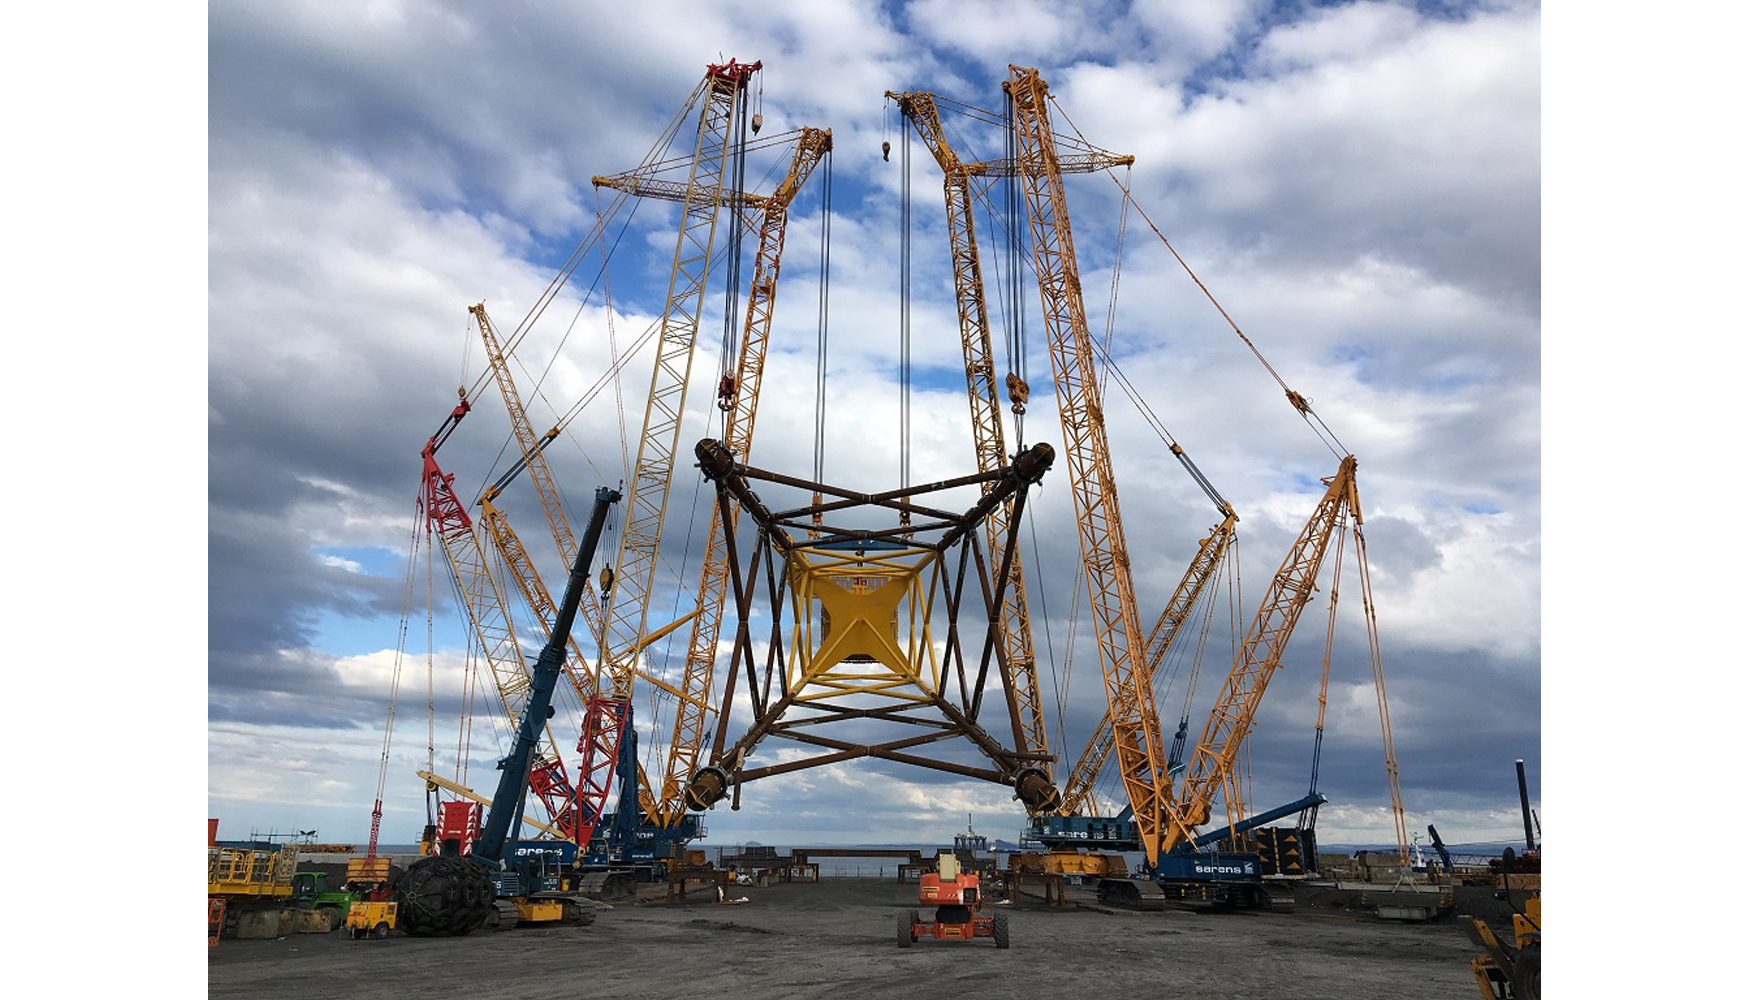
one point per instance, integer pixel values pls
(959, 904)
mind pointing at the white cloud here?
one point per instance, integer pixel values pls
(1360, 192)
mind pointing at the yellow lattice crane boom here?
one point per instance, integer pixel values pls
(1142, 760)
(1015, 632)
(1078, 790)
(738, 398)
(721, 93)
(534, 460)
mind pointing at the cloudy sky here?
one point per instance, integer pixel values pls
(1358, 184)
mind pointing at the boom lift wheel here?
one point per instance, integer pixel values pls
(1000, 929)
(1527, 973)
(906, 920)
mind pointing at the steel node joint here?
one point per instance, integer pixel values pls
(708, 786)
(1035, 790)
(1031, 465)
(715, 458)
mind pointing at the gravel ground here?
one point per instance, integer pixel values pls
(836, 938)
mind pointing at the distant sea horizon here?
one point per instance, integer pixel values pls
(1490, 849)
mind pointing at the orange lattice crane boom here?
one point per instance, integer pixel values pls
(1236, 707)
(739, 400)
(1142, 760)
(1078, 790)
(1014, 630)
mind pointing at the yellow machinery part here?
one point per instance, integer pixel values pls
(243, 872)
(538, 911)
(372, 918)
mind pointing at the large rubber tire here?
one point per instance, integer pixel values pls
(906, 920)
(1528, 973)
(1000, 929)
(443, 895)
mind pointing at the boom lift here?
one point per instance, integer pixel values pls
(448, 894)
(959, 904)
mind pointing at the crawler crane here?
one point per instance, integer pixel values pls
(1162, 820)
(1142, 760)
(447, 894)
(488, 613)
(1182, 874)
(1015, 632)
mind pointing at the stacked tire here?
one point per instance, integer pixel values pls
(443, 896)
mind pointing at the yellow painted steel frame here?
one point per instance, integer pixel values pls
(858, 648)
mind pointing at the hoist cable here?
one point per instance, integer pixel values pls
(824, 286)
(732, 285)
(905, 316)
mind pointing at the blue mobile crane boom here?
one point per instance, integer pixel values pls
(454, 895)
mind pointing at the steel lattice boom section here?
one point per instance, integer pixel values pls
(1015, 631)
(492, 626)
(583, 677)
(741, 405)
(647, 496)
(1261, 651)
(1129, 695)
(584, 801)
(1078, 789)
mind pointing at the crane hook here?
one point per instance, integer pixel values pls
(886, 147)
(1018, 392)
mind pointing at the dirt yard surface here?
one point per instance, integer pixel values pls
(837, 939)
